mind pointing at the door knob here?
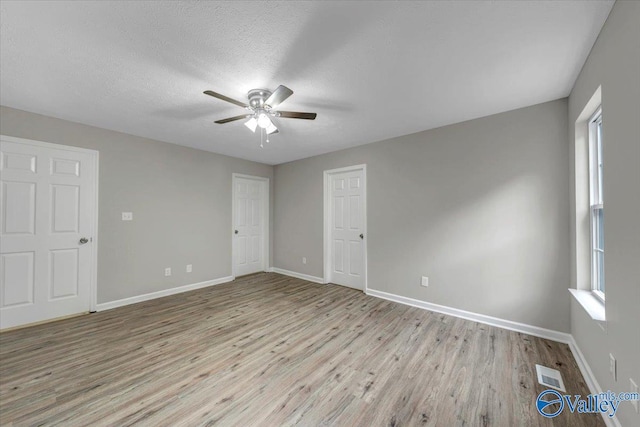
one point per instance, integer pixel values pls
(236, 231)
(83, 240)
(361, 236)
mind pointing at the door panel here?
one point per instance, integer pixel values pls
(354, 182)
(65, 167)
(256, 248)
(338, 212)
(241, 255)
(345, 228)
(249, 230)
(355, 258)
(17, 279)
(63, 278)
(255, 212)
(338, 256)
(18, 162)
(21, 218)
(47, 206)
(354, 213)
(241, 212)
(65, 208)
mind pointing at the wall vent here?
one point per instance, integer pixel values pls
(550, 378)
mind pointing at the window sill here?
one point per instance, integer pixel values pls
(591, 304)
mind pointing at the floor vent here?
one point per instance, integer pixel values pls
(550, 377)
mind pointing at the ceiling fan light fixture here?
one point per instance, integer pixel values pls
(271, 129)
(252, 123)
(264, 121)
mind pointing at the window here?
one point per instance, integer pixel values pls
(596, 203)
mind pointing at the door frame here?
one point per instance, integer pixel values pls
(265, 219)
(327, 252)
(95, 156)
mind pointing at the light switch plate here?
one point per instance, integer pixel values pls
(425, 281)
(189, 268)
(127, 216)
(167, 271)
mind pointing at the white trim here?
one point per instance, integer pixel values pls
(580, 222)
(594, 120)
(159, 294)
(93, 285)
(595, 193)
(302, 276)
(591, 304)
(94, 242)
(590, 379)
(476, 317)
(326, 250)
(265, 218)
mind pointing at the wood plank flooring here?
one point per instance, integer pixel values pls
(270, 350)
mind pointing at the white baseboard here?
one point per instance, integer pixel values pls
(476, 317)
(302, 276)
(163, 293)
(590, 379)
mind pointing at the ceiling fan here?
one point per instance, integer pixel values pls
(261, 107)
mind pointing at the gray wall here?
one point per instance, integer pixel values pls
(480, 207)
(614, 64)
(180, 199)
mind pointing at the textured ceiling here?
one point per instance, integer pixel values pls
(371, 70)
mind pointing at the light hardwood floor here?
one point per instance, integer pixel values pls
(271, 350)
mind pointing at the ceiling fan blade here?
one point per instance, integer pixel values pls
(233, 119)
(278, 96)
(225, 98)
(296, 115)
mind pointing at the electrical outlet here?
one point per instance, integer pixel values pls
(127, 216)
(189, 268)
(425, 281)
(304, 260)
(167, 271)
(612, 366)
(633, 388)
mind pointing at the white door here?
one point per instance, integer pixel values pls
(47, 202)
(346, 228)
(250, 206)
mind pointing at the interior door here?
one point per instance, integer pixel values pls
(249, 227)
(347, 228)
(47, 200)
